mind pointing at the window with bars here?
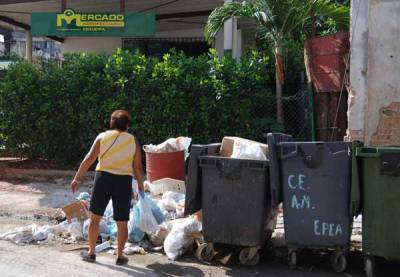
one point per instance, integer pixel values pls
(157, 47)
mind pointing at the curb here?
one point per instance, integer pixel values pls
(9, 171)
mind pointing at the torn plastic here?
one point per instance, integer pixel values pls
(170, 145)
(181, 237)
(75, 228)
(28, 234)
(247, 150)
(136, 249)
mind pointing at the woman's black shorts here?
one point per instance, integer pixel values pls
(110, 186)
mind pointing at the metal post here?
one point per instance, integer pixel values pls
(311, 111)
(63, 5)
(28, 46)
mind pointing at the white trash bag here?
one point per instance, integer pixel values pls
(148, 222)
(181, 237)
(247, 150)
(75, 229)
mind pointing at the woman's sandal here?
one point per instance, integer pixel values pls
(121, 260)
(91, 258)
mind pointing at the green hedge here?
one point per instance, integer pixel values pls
(54, 112)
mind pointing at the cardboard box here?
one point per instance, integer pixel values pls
(77, 210)
(226, 149)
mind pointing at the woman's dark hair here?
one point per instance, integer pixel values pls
(120, 120)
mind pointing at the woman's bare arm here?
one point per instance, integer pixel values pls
(87, 162)
(137, 166)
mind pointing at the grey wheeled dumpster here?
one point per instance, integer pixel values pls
(315, 184)
(235, 201)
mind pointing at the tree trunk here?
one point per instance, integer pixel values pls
(279, 83)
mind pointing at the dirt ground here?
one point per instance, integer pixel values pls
(25, 200)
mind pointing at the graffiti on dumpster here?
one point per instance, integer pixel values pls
(301, 199)
(297, 183)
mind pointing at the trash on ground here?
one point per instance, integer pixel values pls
(181, 237)
(77, 210)
(147, 220)
(83, 196)
(103, 228)
(136, 249)
(28, 234)
(161, 186)
(158, 238)
(75, 228)
(101, 247)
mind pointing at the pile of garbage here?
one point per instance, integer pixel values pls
(156, 222)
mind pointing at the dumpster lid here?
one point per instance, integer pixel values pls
(376, 151)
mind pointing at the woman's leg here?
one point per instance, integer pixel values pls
(93, 232)
(122, 236)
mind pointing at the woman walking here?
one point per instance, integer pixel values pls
(119, 159)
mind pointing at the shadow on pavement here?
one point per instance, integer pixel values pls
(156, 269)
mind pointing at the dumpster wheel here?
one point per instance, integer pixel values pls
(339, 261)
(292, 258)
(369, 263)
(249, 256)
(205, 252)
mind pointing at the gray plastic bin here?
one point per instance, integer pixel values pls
(315, 180)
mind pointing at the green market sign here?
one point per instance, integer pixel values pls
(71, 23)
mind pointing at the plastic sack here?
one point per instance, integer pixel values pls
(155, 209)
(109, 210)
(83, 196)
(134, 232)
(103, 228)
(170, 145)
(27, 234)
(75, 228)
(246, 150)
(148, 222)
(181, 237)
(172, 201)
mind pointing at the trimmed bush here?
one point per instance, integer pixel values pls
(55, 112)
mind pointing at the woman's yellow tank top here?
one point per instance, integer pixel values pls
(118, 158)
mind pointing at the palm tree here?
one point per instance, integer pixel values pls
(277, 21)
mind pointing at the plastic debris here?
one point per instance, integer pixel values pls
(28, 234)
(181, 237)
(247, 150)
(101, 247)
(83, 196)
(103, 228)
(161, 186)
(170, 145)
(76, 229)
(134, 232)
(173, 200)
(131, 250)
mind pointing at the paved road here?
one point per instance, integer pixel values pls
(20, 201)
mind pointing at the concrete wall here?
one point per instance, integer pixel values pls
(374, 104)
(358, 69)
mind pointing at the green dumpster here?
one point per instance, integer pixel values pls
(379, 174)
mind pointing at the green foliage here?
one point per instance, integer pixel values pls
(55, 112)
(279, 20)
